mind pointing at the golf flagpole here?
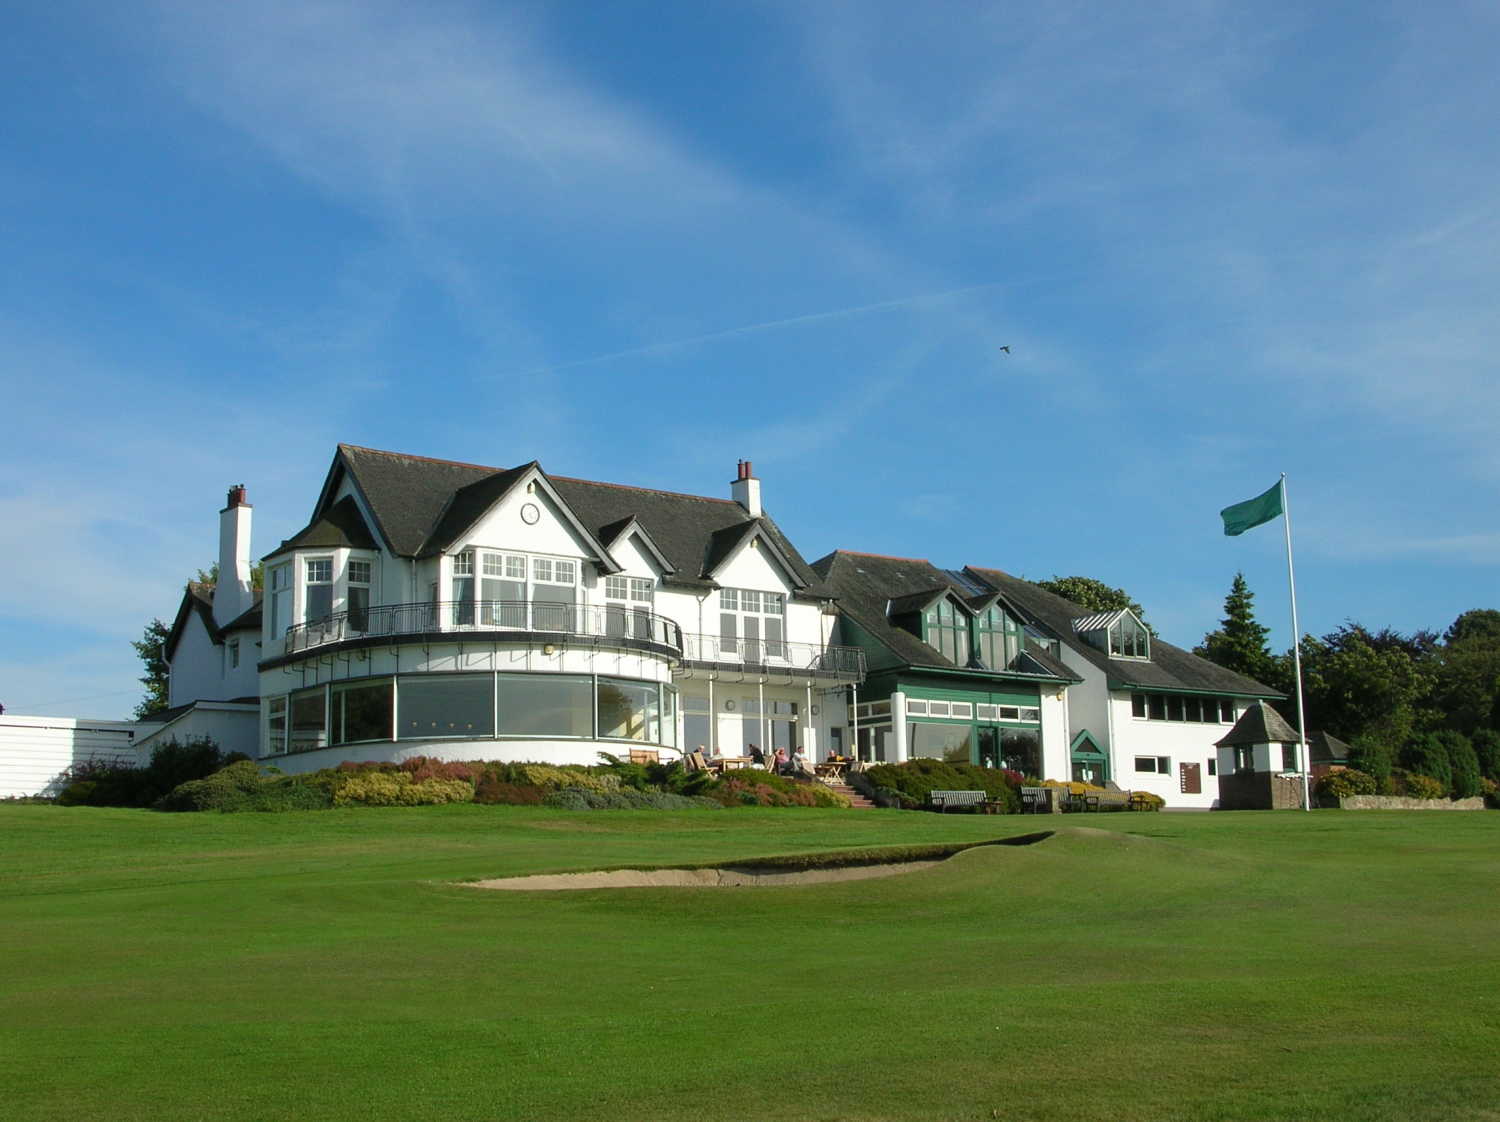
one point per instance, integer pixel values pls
(1291, 582)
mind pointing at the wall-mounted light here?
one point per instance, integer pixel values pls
(814, 710)
(549, 650)
(729, 705)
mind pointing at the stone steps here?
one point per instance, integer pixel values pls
(856, 800)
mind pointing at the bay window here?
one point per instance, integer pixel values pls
(318, 594)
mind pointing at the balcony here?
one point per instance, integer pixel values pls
(518, 618)
(713, 655)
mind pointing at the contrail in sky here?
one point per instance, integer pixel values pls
(752, 329)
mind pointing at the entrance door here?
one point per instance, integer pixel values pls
(1088, 771)
(1190, 779)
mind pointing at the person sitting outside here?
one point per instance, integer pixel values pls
(799, 764)
(780, 761)
(757, 757)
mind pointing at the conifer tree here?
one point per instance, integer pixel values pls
(1240, 642)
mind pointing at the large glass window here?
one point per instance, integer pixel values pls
(309, 720)
(362, 711)
(752, 624)
(502, 591)
(874, 744)
(552, 592)
(319, 598)
(941, 742)
(447, 705)
(515, 591)
(544, 705)
(1021, 750)
(463, 588)
(629, 710)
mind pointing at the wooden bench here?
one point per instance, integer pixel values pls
(1139, 800)
(1080, 801)
(942, 800)
(1036, 800)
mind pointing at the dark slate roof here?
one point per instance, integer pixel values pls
(866, 583)
(1259, 724)
(915, 601)
(468, 504)
(420, 504)
(340, 526)
(1325, 748)
(250, 618)
(1169, 668)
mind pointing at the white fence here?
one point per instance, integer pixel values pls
(35, 751)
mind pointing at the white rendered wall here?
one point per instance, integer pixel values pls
(1057, 758)
(1088, 705)
(34, 751)
(234, 728)
(197, 665)
(1182, 741)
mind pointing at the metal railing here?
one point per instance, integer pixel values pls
(544, 616)
(844, 663)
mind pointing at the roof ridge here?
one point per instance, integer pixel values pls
(423, 459)
(883, 556)
(648, 490)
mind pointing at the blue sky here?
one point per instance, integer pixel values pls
(640, 241)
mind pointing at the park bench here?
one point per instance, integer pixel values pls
(1035, 800)
(1080, 801)
(942, 800)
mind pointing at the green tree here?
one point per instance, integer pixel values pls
(1487, 749)
(1094, 595)
(1466, 673)
(151, 647)
(1356, 685)
(1240, 642)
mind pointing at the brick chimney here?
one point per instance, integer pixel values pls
(232, 596)
(745, 490)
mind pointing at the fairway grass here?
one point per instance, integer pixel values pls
(330, 965)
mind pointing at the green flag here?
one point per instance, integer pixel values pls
(1252, 512)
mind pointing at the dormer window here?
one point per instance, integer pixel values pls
(948, 630)
(997, 638)
(1128, 639)
(1118, 633)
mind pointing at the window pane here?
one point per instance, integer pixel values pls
(447, 705)
(1174, 707)
(552, 608)
(309, 720)
(544, 705)
(541, 569)
(319, 601)
(320, 570)
(276, 725)
(1138, 704)
(1158, 704)
(629, 710)
(615, 588)
(940, 742)
(359, 607)
(359, 572)
(1021, 751)
(362, 711)
(463, 563)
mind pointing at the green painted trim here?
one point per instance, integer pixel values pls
(1080, 738)
(1132, 687)
(991, 675)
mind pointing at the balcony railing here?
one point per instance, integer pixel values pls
(461, 616)
(773, 655)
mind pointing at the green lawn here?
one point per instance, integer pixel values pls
(323, 966)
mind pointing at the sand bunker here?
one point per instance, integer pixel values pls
(727, 877)
(848, 866)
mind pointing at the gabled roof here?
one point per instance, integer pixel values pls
(724, 544)
(340, 526)
(1259, 724)
(198, 599)
(1169, 668)
(617, 533)
(920, 601)
(421, 505)
(1325, 748)
(866, 583)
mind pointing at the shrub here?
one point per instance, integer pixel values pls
(230, 788)
(1427, 755)
(421, 768)
(917, 779)
(490, 790)
(754, 787)
(396, 789)
(1345, 783)
(626, 798)
(1372, 755)
(92, 783)
(1486, 744)
(1464, 763)
(1415, 786)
